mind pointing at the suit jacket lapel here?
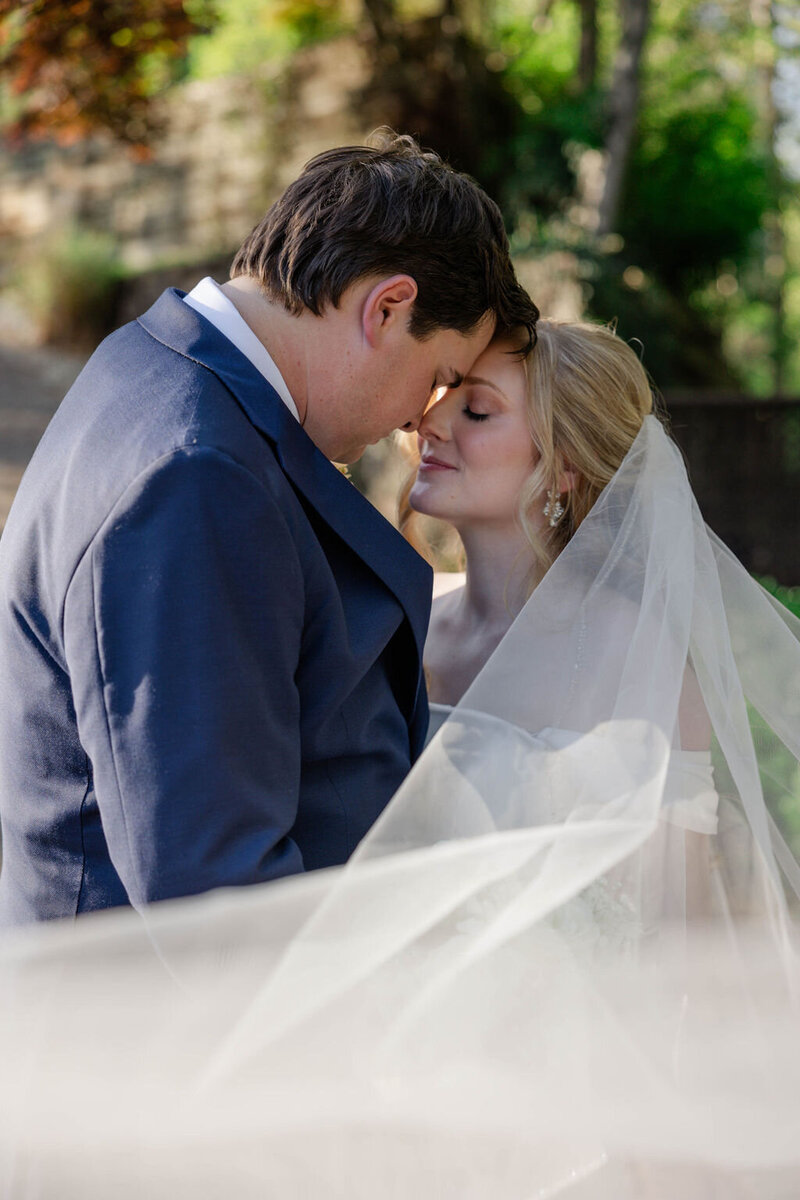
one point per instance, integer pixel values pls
(337, 501)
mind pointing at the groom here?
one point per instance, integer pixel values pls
(210, 643)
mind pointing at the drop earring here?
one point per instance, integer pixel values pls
(554, 509)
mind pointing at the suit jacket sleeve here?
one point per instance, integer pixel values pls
(182, 626)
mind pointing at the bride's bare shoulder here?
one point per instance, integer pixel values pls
(445, 582)
(447, 589)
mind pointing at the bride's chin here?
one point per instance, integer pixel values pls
(422, 503)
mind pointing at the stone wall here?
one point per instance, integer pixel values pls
(229, 147)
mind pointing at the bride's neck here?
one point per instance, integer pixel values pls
(501, 569)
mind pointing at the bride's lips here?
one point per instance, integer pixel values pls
(435, 464)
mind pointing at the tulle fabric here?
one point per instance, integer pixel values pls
(555, 967)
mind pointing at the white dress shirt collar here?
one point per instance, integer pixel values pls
(210, 301)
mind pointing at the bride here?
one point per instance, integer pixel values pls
(562, 962)
(514, 460)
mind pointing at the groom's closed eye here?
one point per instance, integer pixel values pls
(438, 389)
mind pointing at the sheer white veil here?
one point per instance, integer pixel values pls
(559, 964)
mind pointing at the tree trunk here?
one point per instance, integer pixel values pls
(587, 61)
(623, 105)
(381, 16)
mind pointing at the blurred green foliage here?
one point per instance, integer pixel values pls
(789, 597)
(72, 288)
(555, 118)
(253, 34)
(689, 270)
(697, 191)
(778, 768)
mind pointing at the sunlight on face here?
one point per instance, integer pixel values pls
(475, 445)
(402, 380)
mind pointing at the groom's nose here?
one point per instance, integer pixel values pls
(415, 422)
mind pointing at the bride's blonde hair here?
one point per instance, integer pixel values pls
(587, 394)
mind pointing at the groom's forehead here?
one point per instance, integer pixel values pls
(458, 351)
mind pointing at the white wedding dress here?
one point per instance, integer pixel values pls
(562, 963)
(690, 797)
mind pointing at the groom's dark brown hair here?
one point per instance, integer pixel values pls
(384, 208)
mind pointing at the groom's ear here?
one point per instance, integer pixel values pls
(387, 308)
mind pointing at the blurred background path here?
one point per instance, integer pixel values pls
(32, 384)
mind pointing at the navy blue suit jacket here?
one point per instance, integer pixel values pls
(210, 642)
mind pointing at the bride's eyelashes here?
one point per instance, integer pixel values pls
(474, 416)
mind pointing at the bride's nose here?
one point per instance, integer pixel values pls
(435, 422)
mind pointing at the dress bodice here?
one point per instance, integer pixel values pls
(690, 795)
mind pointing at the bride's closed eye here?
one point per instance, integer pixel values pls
(474, 416)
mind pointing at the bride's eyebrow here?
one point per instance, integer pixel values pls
(484, 383)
